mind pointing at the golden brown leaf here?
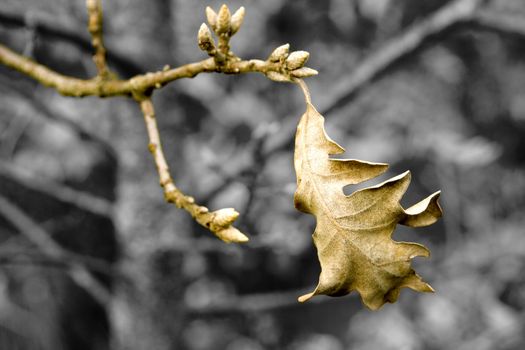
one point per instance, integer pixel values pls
(353, 233)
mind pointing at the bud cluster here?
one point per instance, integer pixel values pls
(224, 25)
(292, 64)
(281, 65)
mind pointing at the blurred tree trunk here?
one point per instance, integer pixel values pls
(146, 310)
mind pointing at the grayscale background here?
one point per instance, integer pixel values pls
(451, 110)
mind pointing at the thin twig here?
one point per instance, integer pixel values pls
(82, 200)
(94, 8)
(220, 221)
(38, 236)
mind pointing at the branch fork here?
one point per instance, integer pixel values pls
(281, 65)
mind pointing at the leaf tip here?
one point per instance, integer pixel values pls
(424, 213)
(415, 282)
(429, 289)
(306, 297)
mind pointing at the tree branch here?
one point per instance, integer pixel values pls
(94, 8)
(280, 66)
(82, 200)
(69, 86)
(220, 221)
(400, 47)
(503, 23)
(458, 13)
(36, 234)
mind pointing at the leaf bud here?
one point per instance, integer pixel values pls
(297, 59)
(237, 19)
(231, 235)
(275, 76)
(206, 42)
(304, 72)
(279, 53)
(223, 20)
(211, 16)
(225, 217)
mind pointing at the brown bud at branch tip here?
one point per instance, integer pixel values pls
(237, 19)
(211, 16)
(279, 53)
(297, 59)
(223, 20)
(304, 72)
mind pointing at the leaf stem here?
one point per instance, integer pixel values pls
(305, 90)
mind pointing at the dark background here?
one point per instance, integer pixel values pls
(452, 112)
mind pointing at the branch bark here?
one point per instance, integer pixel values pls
(94, 8)
(69, 86)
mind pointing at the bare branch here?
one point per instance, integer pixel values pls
(94, 8)
(69, 86)
(38, 236)
(401, 46)
(82, 200)
(140, 88)
(504, 23)
(220, 221)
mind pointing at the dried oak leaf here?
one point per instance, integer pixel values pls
(353, 233)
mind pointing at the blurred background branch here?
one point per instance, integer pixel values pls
(65, 194)
(58, 29)
(76, 268)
